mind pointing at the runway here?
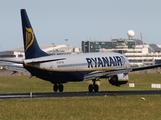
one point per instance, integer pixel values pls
(78, 94)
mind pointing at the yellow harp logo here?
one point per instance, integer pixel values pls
(29, 38)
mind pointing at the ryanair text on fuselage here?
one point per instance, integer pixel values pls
(105, 61)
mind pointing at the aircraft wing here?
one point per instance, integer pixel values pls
(15, 68)
(106, 74)
(145, 67)
(11, 60)
(14, 65)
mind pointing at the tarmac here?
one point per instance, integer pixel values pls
(78, 94)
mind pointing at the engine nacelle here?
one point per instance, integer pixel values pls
(119, 79)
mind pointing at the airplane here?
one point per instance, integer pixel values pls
(60, 69)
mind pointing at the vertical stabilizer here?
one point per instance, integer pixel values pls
(31, 47)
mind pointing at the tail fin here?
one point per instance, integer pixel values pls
(31, 47)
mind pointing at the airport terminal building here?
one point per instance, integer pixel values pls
(137, 52)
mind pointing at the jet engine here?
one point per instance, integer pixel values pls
(118, 79)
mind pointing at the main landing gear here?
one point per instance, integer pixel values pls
(57, 87)
(93, 87)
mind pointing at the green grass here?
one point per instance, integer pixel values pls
(10, 84)
(79, 108)
(82, 108)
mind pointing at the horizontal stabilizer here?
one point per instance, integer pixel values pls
(36, 60)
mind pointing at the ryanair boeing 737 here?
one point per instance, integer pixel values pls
(60, 69)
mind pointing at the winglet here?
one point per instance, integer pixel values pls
(31, 47)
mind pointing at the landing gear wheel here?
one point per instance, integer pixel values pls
(95, 87)
(61, 88)
(90, 88)
(55, 87)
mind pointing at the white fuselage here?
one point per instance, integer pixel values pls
(83, 62)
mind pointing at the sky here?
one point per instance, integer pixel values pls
(53, 21)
